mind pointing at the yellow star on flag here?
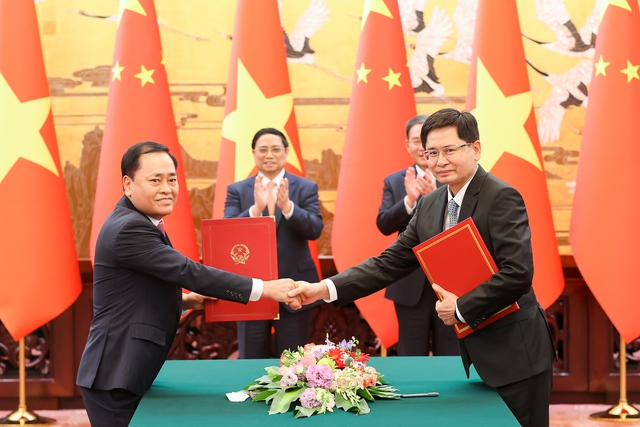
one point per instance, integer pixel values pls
(501, 121)
(601, 66)
(132, 5)
(393, 79)
(117, 71)
(20, 124)
(620, 3)
(362, 73)
(145, 76)
(377, 6)
(253, 112)
(631, 71)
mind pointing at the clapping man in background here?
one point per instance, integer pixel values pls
(294, 203)
(420, 332)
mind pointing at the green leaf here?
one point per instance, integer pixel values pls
(263, 395)
(301, 411)
(282, 400)
(363, 407)
(365, 393)
(343, 403)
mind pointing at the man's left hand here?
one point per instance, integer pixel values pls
(194, 301)
(284, 203)
(446, 306)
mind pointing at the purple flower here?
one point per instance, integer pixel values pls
(308, 399)
(319, 376)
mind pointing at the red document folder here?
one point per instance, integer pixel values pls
(458, 260)
(244, 246)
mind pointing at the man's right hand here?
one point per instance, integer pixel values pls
(308, 293)
(259, 196)
(279, 289)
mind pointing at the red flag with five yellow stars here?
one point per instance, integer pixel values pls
(381, 103)
(258, 96)
(604, 234)
(40, 276)
(499, 96)
(139, 109)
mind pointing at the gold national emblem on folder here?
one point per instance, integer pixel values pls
(240, 253)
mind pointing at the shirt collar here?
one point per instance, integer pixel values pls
(278, 178)
(460, 196)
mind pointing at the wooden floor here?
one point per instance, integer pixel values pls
(561, 416)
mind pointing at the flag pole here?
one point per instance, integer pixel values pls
(21, 416)
(622, 411)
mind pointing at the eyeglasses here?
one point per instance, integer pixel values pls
(274, 150)
(446, 152)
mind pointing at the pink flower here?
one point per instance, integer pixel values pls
(308, 360)
(308, 399)
(288, 379)
(319, 376)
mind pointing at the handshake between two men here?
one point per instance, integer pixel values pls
(294, 294)
(300, 293)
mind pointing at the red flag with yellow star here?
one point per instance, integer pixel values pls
(381, 103)
(604, 235)
(258, 96)
(139, 109)
(499, 96)
(40, 275)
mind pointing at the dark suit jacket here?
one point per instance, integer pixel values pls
(511, 349)
(138, 280)
(293, 234)
(393, 218)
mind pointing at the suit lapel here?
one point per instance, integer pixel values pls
(471, 196)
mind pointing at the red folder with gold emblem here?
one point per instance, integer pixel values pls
(245, 246)
(458, 260)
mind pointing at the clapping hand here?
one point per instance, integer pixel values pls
(259, 195)
(283, 201)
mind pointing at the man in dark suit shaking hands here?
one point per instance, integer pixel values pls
(420, 332)
(293, 202)
(514, 354)
(137, 289)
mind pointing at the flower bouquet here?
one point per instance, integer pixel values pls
(319, 378)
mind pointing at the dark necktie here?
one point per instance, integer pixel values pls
(453, 213)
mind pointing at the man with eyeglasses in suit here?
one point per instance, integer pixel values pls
(514, 354)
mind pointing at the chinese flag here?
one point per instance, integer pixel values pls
(139, 109)
(381, 103)
(604, 233)
(499, 96)
(40, 276)
(258, 96)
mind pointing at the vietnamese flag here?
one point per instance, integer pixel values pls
(258, 96)
(499, 96)
(381, 103)
(139, 109)
(604, 233)
(40, 275)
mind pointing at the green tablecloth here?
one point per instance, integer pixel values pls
(193, 393)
